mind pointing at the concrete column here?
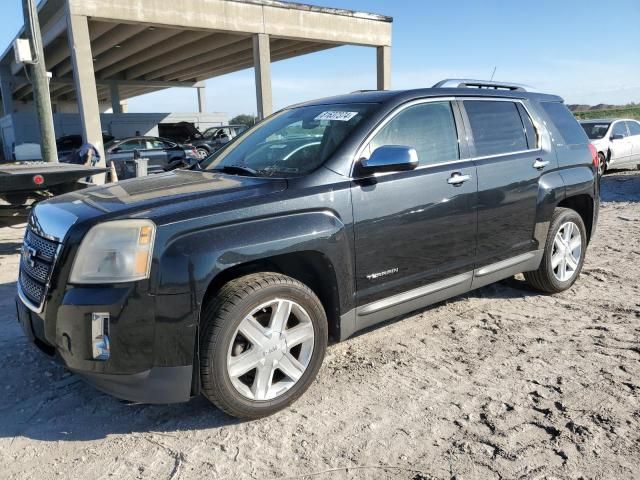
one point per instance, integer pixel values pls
(85, 83)
(202, 99)
(384, 68)
(115, 98)
(262, 65)
(7, 90)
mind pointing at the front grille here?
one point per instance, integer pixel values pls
(36, 264)
(46, 248)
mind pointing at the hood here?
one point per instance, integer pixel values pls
(139, 196)
(191, 130)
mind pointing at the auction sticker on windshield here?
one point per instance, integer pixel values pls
(335, 115)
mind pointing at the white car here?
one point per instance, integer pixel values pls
(616, 140)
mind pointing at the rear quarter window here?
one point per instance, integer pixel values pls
(566, 124)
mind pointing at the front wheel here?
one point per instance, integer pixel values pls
(264, 338)
(202, 153)
(563, 253)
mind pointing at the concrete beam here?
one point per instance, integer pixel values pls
(141, 42)
(56, 82)
(105, 42)
(262, 66)
(97, 29)
(240, 62)
(178, 69)
(324, 25)
(54, 28)
(163, 49)
(22, 91)
(383, 66)
(201, 48)
(57, 52)
(232, 53)
(86, 91)
(202, 99)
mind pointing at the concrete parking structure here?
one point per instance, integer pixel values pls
(111, 50)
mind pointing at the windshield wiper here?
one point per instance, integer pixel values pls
(239, 169)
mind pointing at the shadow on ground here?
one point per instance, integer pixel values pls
(620, 186)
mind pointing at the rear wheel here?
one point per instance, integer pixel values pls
(602, 164)
(563, 253)
(263, 342)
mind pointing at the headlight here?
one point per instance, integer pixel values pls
(113, 252)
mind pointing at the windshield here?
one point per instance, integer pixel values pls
(294, 142)
(595, 130)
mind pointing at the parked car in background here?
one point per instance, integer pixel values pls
(68, 144)
(215, 137)
(163, 155)
(616, 140)
(325, 219)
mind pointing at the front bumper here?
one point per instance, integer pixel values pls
(152, 354)
(156, 385)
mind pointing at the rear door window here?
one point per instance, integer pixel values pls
(566, 124)
(620, 128)
(496, 126)
(634, 128)
(430, 128)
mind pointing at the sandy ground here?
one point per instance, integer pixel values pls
(500, 383)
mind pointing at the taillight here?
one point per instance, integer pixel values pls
(38, 179)
(594, 156)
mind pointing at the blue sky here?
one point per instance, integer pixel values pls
(584, 50)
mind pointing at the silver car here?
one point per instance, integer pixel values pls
(616, 140)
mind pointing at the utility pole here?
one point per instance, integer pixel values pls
(40, 82)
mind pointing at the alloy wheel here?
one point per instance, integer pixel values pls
(270, 350)
(602, 164)
(567, 251)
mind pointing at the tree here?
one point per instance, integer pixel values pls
(248, 120)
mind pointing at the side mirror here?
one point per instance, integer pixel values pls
(115, 150)
(617, 136)
(390, 158)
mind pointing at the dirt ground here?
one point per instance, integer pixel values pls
(499, 383)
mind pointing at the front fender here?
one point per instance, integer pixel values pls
(191, 261)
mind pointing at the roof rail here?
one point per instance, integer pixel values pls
(487, 84)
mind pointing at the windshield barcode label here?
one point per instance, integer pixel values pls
(339, 116)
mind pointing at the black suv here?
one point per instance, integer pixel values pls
(326, 218)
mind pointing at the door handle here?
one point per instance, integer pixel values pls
(540, 164)
(457, 179)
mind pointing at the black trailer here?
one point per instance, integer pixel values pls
(24, 184)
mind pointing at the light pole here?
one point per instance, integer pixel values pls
(40, 82)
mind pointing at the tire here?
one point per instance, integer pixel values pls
(240, 308)
(548, 278)
(602, 164)
(202, 153)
